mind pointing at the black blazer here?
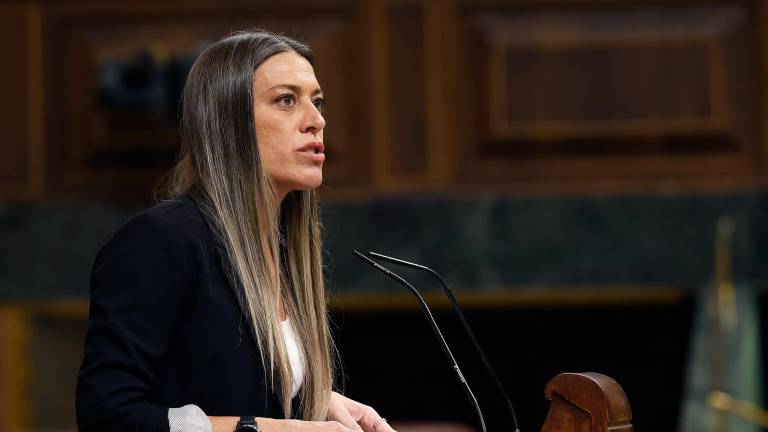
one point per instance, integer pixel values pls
(166, 329)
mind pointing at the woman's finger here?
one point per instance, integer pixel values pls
(369, 419)
(383, 426)
(339, 411)
(347, 420)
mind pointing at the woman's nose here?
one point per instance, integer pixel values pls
(314, 119)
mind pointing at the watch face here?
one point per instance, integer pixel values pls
(247, 428)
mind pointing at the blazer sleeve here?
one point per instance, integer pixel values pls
(137, 293)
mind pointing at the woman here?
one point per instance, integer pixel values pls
(209, 308)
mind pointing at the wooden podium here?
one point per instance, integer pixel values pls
(586, 402)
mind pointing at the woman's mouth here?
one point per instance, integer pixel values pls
(313, 151)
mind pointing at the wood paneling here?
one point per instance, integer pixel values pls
(761, 86)
(607, 93)
(516, 96)
(119, 133)
(20, 116)
(15, 166)
(412, 148)
(40, 353)
(407, 110)
(15, 410)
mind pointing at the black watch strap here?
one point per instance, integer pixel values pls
(247, 424)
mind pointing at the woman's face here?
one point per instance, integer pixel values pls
(287, 113)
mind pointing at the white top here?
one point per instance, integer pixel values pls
(295, 357)
(191, 418)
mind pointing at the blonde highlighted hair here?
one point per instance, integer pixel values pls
(273, 249)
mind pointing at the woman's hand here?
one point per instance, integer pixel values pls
(356, 416)
(228, 424)
(344, 415)
(280, 425)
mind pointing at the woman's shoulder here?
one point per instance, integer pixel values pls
(175, 223)
(180, 213)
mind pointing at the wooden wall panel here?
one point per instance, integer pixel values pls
(606, 93)
(114, 100)
(409, 104)
(41, 348)
(761, 86)
(20, 121)
(13, 82)
(407, 110)
(449, 95)
(15, 412)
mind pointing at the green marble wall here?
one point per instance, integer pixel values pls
(482, 243)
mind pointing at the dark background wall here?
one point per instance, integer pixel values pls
(564, 163)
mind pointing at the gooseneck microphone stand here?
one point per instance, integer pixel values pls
(435, 328)
(470, 333)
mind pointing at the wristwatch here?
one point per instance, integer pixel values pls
(247, 424)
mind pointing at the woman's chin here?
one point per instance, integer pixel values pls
(312, 182)
(307, 181)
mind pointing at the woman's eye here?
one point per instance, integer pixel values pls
(319, 104)
(285, 100)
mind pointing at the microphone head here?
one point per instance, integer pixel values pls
(364, 258)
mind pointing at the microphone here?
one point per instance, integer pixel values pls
(435, 328)
(470, 333)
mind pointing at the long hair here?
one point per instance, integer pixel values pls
(273, 248)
